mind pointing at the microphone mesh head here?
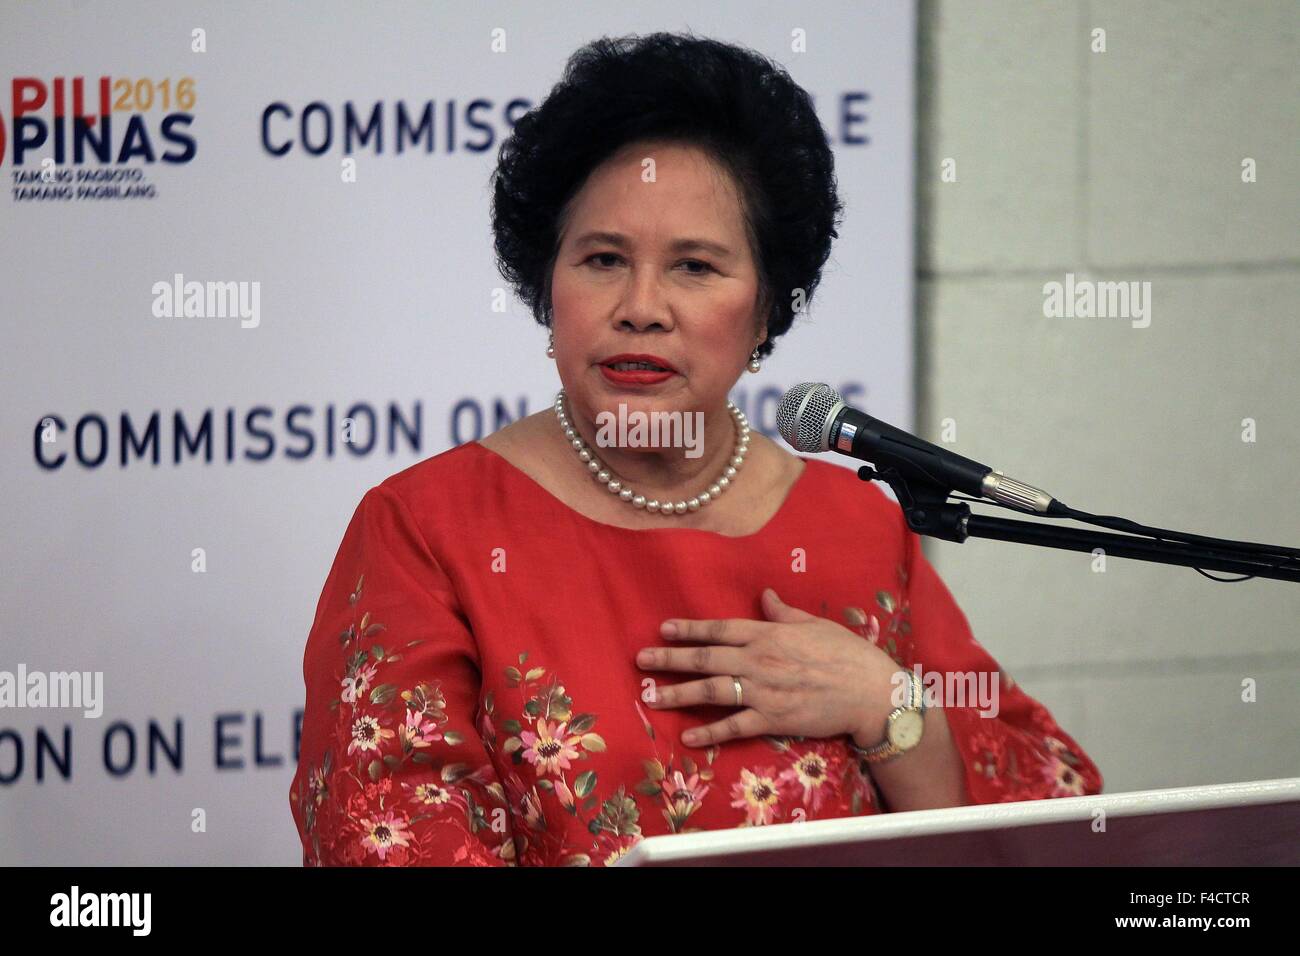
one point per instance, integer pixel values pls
(804, 415)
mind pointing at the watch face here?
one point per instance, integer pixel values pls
(905, 730)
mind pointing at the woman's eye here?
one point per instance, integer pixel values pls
(695, 267)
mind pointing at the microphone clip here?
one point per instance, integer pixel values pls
(925, 505)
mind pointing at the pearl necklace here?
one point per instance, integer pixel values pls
(615, 486)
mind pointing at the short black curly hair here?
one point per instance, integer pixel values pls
(737, 105)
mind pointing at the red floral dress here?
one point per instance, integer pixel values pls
(473, 696)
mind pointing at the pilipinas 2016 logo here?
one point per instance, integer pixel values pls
(69, 138)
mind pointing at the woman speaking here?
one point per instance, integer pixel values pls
(541, 648)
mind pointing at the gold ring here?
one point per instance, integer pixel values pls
(735, 682)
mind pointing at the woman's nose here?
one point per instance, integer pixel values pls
(644, 305)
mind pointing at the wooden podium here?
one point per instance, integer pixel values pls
(1234, 824)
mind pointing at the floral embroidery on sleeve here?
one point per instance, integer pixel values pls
(1013, 764)
(385, 733)
(1018, 754)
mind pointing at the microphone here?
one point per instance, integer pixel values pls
(813, 418)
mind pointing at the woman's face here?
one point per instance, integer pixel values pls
(655, 265)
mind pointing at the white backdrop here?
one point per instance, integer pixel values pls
(375, 293)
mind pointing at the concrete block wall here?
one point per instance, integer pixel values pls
(1122, 165)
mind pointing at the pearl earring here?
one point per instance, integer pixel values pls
(550, 347)
(754, 364)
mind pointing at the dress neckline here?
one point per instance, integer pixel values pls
(785, 506)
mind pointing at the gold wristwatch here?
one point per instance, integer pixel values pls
(903, 727)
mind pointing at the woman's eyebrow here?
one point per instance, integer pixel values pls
(620, 241)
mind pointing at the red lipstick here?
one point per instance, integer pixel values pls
(636, 376)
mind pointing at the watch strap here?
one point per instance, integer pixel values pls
(886, 748)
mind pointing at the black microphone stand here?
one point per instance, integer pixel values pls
(928, 511)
